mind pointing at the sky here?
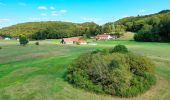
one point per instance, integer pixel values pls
(77, 11)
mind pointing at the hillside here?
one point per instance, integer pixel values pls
(137, 18)
(32, 27)
(55, 27)
(134, 23)
(127, 36)
(150, 28)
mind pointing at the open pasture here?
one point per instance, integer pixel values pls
(37, 72)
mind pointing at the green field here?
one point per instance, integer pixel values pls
(37, 72)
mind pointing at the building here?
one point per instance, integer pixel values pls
(104, 37)
(73, 40)
(1, 38)
(15, 38)
(7, 38)
(82, 42)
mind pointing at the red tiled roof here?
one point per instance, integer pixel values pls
(74, 39)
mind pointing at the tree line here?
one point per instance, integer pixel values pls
(150, 28)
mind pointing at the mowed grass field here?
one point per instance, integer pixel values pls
(37, 72)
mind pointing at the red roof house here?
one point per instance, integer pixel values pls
(103, 37)
(74, 40)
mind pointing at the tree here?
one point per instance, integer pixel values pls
(62, 41)
(98, 30)
(23, 40)
(119, 30)
(145, 29)
(129, 26)
(40, 35)
(165, 28)
(108, 28)
(145, 34)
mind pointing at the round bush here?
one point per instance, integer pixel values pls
(120, 74)
(0, 48)
(120, 48)
(37, 43)
(23, 40)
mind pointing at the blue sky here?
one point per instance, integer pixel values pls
(99, 11)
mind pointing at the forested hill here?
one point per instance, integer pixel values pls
(55, 27)
(31, 27)
(134, 24)
(149, 28)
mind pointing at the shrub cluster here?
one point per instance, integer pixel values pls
(114, 73)
(119, 48)
(37, 43)
(23, 40)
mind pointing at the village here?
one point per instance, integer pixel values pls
(81, 41)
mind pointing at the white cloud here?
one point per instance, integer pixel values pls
(57, 13)
(142, 11)
(90, 19)
(43, 14)
(63, 11)
(4, 20)
(52, 8)
(124, 16)
(22, 4)
(37, 19)
(42, 8)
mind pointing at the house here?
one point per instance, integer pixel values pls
(73, 40)
(15, 38)
(104, 37)
(7, 38)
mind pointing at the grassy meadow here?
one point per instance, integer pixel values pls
(37, 72)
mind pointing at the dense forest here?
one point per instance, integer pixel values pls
(150, 28)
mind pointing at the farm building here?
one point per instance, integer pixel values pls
(15, 38)
(7, 38)
(105, 37)
(73, 40)
(1, 38)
